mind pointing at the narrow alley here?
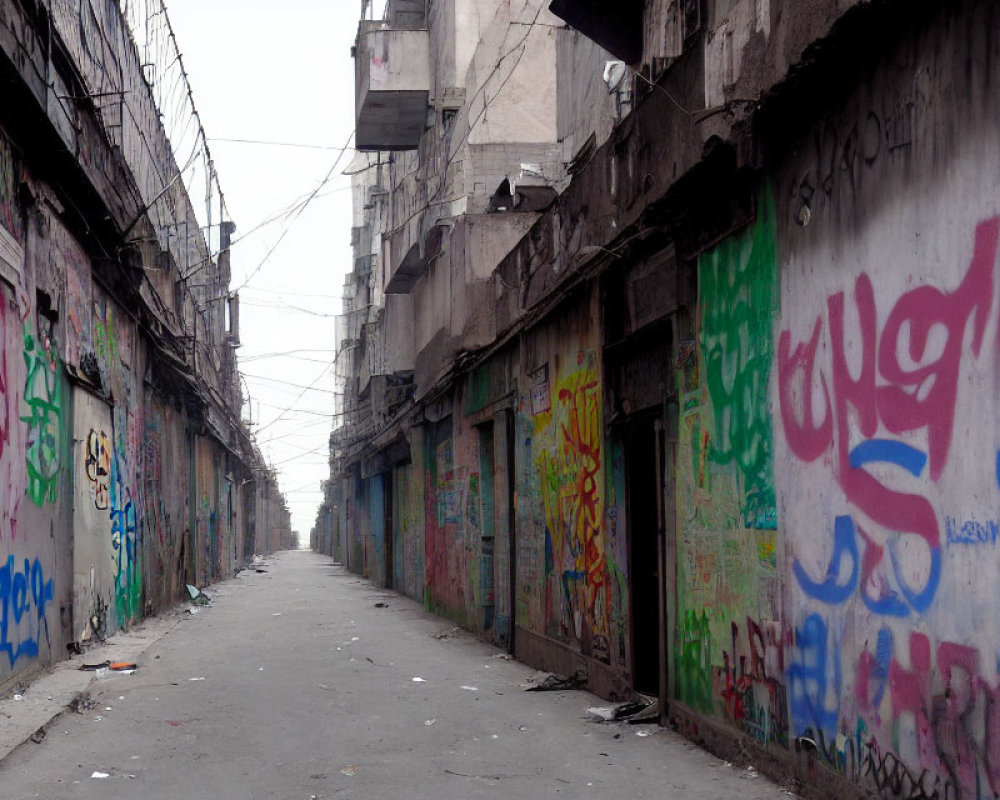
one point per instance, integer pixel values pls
(308, 682)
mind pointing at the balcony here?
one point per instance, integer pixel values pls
(412, 248)
(392, 69)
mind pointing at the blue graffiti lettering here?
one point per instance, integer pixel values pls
(888, 451)
(24, 596)
(920, 601)
(809, 681)
(880, 669)
(844, 544)
(971, 531)
(834, 589)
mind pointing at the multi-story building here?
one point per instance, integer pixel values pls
(125, 469)
(721, 426)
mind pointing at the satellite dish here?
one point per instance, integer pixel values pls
(614, 75)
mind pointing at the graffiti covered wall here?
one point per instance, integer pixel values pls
(446, 557)
(409, 496)
(108, 426)
(29, 619)
(729, 646)
(562, 488)
(887, 371)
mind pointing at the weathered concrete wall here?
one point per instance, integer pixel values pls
(165, 503)
(885, 400)
(585, 107)
(408, 494)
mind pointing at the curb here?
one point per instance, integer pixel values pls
(63, 685)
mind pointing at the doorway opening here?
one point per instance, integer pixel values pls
(644, 555)
(387, 530)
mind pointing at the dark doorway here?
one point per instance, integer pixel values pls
(511, 479)
(387, 530)
(644, 556)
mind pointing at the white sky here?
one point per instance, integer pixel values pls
(282, 72)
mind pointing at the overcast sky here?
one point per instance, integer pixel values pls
(281, 72)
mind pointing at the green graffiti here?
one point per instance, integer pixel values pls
(694, 662)
(105, 338)
(738, 298)
(43, 397)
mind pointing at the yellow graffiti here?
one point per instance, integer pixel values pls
(573, 498)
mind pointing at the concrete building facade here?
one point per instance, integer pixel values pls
(125, 470)
(720, 424)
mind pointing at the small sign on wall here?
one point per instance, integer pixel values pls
(540, 403)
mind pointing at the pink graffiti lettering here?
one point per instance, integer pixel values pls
(953, 710)
(880, 388)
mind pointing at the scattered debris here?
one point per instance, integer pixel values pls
(276, 614)
(82, 703)
(192, 611)
(100, 775)
(174, 723)
(649, 714)
(750, 772)
(646, 732)
(503, 657)
(18, 697)
(448, 634)
(198, 597)
(94, 667)
(471, 688)
(637, 711)
(557, 683)
(122, 666)
(419, 680)
(199, 678)
(39, 736)
(429, 722)
(350, 770)
(381, 605)
(261, 571)
(97, 625)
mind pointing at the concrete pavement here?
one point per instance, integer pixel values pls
(294, 685)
